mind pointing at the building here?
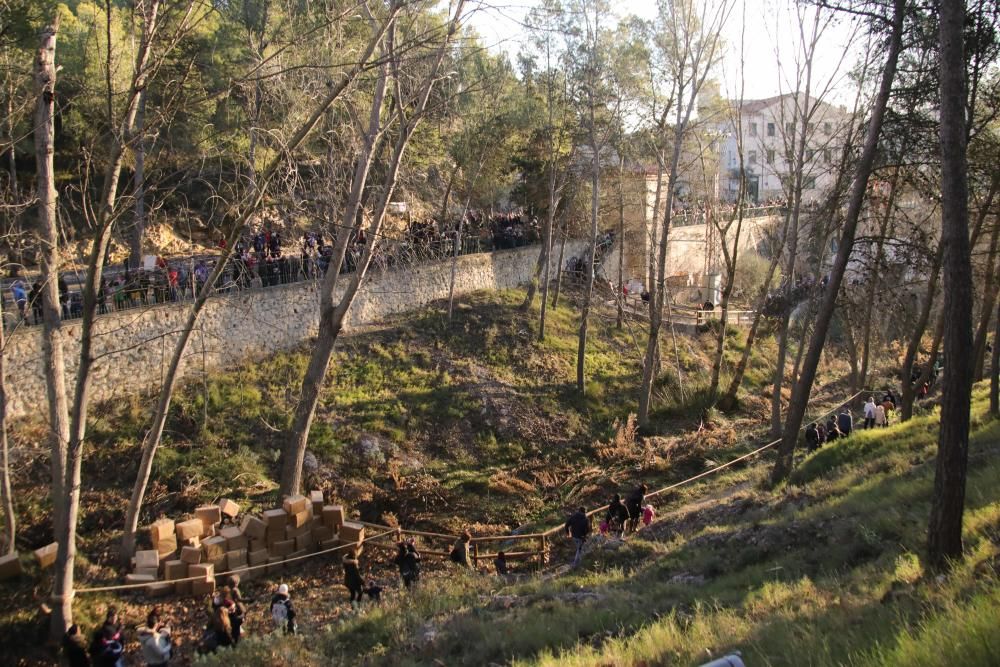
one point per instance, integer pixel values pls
(770, 128)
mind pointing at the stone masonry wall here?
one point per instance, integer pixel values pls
(133, 348)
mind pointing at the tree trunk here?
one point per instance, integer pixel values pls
(52, 341)
(10, 518)
(991, 276)
(581, 349)
(154, 435)
(458, 241)
(995, 369)
(803, 388)
(620, 295)
(332, 318)
(559, 269)
(944, 534)
(778, 379)
(139, 179)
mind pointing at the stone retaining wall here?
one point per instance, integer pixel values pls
(133, 348)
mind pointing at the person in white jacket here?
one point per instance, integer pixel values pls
(154, 641)
(870, 412)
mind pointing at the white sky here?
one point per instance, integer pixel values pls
(770, 30)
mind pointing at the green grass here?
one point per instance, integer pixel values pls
(825, 570)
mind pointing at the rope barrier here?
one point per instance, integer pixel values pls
(712, 471)
(392, 531)
(121, 587)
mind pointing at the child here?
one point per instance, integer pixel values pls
(373, 591)
(282, 612)
(648, 513)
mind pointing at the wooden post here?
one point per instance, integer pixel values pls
(543, 556)
(475, 556)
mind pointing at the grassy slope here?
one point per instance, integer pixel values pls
(825, 571)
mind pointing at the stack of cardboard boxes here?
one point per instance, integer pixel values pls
(214, 542)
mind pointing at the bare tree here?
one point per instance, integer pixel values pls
(824, 315)
(944, 534)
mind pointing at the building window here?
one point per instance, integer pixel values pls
(790, 128)
(770, 156)
(827, 155)
(809, 183)
(752, 157)
(810, 154)
(811, 127)
(827, 128)
(770, 129)
(753, 129)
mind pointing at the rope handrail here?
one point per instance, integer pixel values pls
(711, 471)
(388, 530)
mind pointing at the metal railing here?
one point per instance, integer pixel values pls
(687, 218)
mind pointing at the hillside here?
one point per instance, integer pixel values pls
(824, 571)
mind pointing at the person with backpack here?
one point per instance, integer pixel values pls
(812, 437)
(282, 612)
(107, 648)
(578, 528)
(617, 516)
(408, 561)
(460, 550)
(352, 577)
(154, 640)
(845, 422)
(74, 648)
(634, 504)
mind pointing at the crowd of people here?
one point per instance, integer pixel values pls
(261, 259)
(876, 414)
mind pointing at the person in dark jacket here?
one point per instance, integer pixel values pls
(460, 551)
(374, 591)
(578, 528)
(821, 434)
(812, 437)
(352, 578)
(500, 562)
(617, 516)
(634, 504)
(408, 561)
(107, 647)
(832, 431)
(74, 648)
(845, 422)
(282, 611)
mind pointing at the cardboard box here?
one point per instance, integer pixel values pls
(188, 529)
(220, 564)
(234, 537)
(139, 579)
(183, 587)
(210, 515)
(333, 516)
(295, 504)
(161, 589)
(202, 588)
(175, 569)
(147, 559)
(351, 533)
(210, 531)
(205, 570)
(236, 559)
(258, 557)
(297, 555)
(253, 528)
(256, 545)
(275, 519)
(292, 533)
(283, 548)
(190, 542)
(321, 534)
(10, 566)
(166, 546)
(275, 564)
(214, 548)
(316, 498)
(229, 508)
(304, 543)
(244, 574)
(300, 519)
(331, 543)
(191, 555)
(46, 556)
(151, 571)
(159, 530)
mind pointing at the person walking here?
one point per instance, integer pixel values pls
(880, 420)
(617, 516)
(634, 504)
(352, 577)
(578, 528)
(845, 422)
(408, 561)
(239, 609)
(282, 611)
(460, 550)
(870, 413)
(812, 437)
(154, 640)
(74, 648)
(107, 648)
(888, 405)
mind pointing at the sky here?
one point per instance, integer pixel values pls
(767, 29)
